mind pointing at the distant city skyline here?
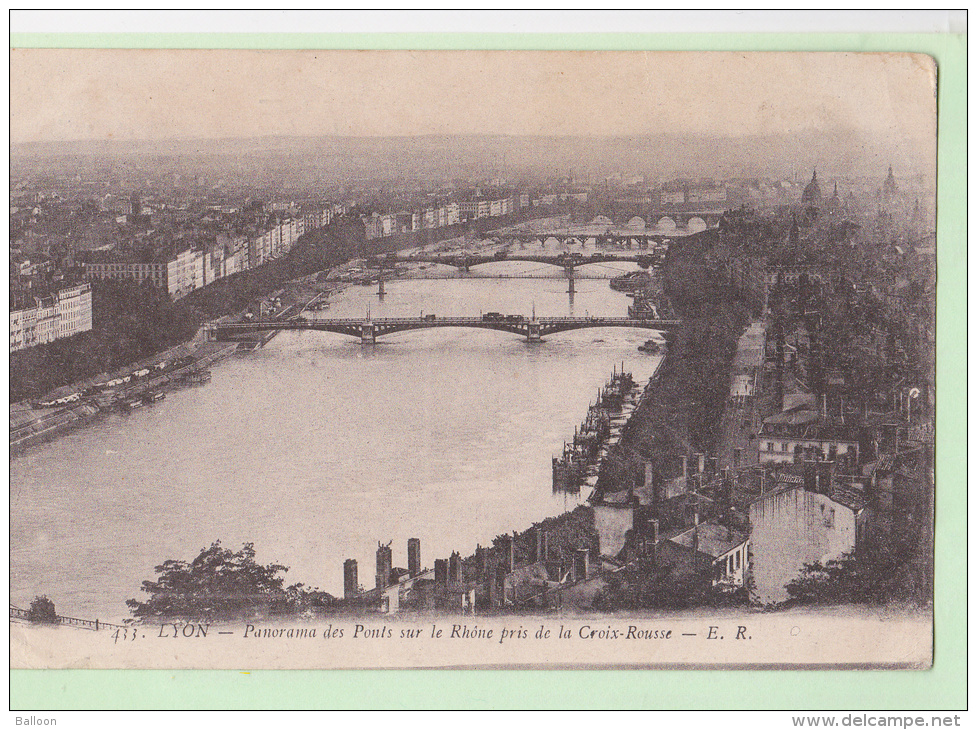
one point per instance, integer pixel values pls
(146, 95)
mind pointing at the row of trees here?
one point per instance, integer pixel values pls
(684, 411)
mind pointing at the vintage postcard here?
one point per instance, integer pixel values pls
(472, 359)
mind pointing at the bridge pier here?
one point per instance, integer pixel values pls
(380, 291)
(368, 334)
(534, 332)
(570, 272)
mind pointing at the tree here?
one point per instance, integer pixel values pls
(42, 611)
(875, 574)
(223, 585)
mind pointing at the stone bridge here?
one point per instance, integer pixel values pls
(663, 221)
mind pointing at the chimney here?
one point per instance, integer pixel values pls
(825, 472)
(713, 465)
(700, 462)
(384, 564)
(695, 543)
(414, 556)
(508, 554)
(481, 563)
(539, 546)
(494, 580)
(685, 465)
(810, 475)
(454, 568)
(780, 394)
(441, 574)
(650, 543)
(650, 476)
(737, 457)
(581, 564)
(824, 405)
(351, 585)
(638, 518)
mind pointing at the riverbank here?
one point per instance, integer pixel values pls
(31, 425)
(683, 412)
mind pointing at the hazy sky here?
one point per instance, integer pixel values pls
(155, 94)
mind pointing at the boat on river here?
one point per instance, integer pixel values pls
(131, 404)
(631, 282)
(153, 396)
(198, 377)
(570, 470)
(642, 308)
(614, 393)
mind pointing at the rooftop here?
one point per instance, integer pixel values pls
(714, 540)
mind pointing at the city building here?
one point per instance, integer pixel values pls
(795, 525)
(722, 551)
(177, 274)
(36, 320)
(791, 436)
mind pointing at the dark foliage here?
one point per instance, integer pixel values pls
(222, 585)
(637, 588)
(684, 411)
(42, 611)
(873, 575)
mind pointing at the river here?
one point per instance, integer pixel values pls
(315, 448)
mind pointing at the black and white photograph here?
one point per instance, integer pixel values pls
(351, 359)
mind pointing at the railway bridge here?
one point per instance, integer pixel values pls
(533, 329)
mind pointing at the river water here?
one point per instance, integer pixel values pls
(315, 448)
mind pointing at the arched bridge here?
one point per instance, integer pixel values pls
(666, 220)
(626, 238)
(369, 329)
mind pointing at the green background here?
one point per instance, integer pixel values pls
(942, 687)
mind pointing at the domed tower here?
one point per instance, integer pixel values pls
(812, 193)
